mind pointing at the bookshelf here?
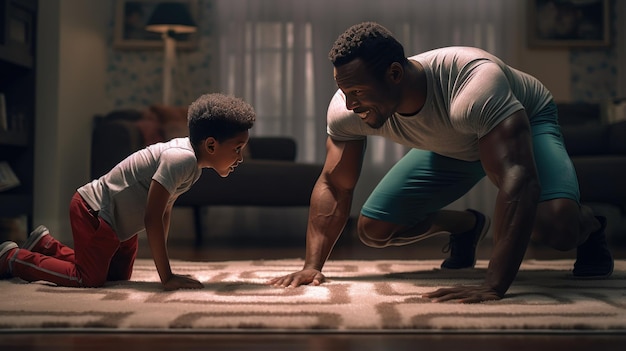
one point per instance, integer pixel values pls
(18, 28)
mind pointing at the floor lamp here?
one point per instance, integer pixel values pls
(169, 19)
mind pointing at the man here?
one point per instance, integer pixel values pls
(465, 114)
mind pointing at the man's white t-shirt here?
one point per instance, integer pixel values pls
(120, 196)
(469, 92)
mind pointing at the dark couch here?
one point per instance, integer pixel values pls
(598, 151)
(269, 175)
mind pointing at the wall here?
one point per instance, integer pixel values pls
(134, 76)
(580, 74)
(80, 75)
(71, 47)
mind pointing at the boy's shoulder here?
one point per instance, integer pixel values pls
(182, 144)
(177, 162)
(174, 150)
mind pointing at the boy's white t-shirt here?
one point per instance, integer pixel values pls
(469, 92)
(120, 196)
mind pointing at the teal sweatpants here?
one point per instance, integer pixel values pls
(423, 182)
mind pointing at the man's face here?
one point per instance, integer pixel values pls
(368, 97)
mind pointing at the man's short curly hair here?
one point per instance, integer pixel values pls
(219, 116)
(372, 43)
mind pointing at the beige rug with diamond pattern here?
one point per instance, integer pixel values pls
(378, 296)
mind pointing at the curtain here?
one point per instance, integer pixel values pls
(621, 49)
(273, 54)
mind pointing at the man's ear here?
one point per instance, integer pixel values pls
(395, 72)
(209, 144)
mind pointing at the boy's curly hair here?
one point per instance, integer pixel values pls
(219, 116)
(372, 43)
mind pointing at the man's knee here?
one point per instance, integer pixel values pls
(374, 233)
(557, 224)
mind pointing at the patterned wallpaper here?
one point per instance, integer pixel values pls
(594, 71)
(594, 75)
(135, 77)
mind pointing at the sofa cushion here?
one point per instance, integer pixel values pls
(579, 113)
(255, 183)
(601, 178)
(617, 137)
(586, 140)
(150, 128)
(272, 148)
(173, 120)
(123, 115)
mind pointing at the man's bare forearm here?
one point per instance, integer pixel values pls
(328, 215)
(513, 223)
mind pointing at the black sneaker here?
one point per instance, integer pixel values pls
(462, 246)
(593, 258)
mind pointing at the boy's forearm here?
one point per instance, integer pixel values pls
(156, 239)
(156, 221)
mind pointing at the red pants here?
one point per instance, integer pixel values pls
(98, 255)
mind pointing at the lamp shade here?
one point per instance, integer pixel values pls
(171, 17)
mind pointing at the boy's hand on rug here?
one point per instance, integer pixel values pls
(303, 277)
(181, 282)
(463, 294)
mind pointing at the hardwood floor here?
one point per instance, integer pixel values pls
(310, 342)
(346, 248)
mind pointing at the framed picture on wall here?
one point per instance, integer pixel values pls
(131, 17)
(568, 23)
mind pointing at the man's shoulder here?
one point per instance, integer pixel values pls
(452, 52)
(341, 122)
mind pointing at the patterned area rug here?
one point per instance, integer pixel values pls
(381, 296)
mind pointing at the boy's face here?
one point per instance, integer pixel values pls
(227, 155)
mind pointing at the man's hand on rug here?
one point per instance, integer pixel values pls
(463, 294)
(303, 277)
(178, 281)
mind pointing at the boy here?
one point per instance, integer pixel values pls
(137, 195)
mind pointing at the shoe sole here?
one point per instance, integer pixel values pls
(35, 237)
(4, 249)
(7, 247)
(595, 277)
(413, 240)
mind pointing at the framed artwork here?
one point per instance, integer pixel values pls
(568, 23)
(130, 31)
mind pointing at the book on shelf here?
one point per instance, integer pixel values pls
(8, 179)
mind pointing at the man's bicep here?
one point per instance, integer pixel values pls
(506, 152)
(343, 162)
